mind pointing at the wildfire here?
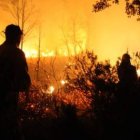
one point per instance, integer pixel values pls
(32, 106)
(50, 90)
(63, 82)
(32, 53)
(138, 72)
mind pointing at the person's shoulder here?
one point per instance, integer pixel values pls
(3, 49)
(2, 46)
(133, 67)
(19, 52)
(120, 67)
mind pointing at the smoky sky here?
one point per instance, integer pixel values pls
(109, 33)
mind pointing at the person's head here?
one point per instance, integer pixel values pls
(126, 58)
(13, 34)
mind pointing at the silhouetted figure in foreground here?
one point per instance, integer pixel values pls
(127, 96)
(14, 78)
(127, 74)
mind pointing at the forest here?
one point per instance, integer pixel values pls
(74, 51)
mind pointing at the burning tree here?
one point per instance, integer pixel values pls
(84, 72)
(97, 80)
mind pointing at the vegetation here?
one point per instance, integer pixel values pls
(22, 13)
(88, 103)
(132, 8)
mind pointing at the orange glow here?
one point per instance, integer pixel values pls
(76, 98)
(69, 25)
(32, 106)
(138, 72)
(32, 53)
(63, 82)
(50, 90)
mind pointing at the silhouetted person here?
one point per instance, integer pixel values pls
(127, 73)
(14, 78)
(127, 97)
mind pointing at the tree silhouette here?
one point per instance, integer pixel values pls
(132, 8)
(97, 80)
(22, 12)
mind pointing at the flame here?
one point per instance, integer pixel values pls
(32, 53)
(73, 48)
(63, 82)
(32, 106)
(50, 90)
(138, 72)
(51, 53)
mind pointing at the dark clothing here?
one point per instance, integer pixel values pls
(13, 68)
(127, 110)
(127, 86)
(14, 78)
(14, 75)
(127, 75)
